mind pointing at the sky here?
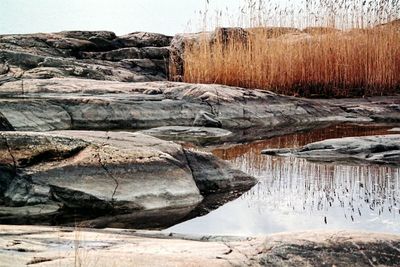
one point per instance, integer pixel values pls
(120, 16)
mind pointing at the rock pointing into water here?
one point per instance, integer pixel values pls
(196, 135)
(103, 173)
(375, 149)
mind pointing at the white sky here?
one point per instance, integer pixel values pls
(125, 16)
(120, 16)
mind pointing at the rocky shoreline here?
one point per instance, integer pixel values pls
(45, 246)
(384, 149)
(107, 175)
(82, 118)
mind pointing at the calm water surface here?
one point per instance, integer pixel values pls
(295, 195)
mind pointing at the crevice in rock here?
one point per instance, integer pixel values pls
(102, 164)
(188, 164)
(11, 154)
(5, 125)
(81, 201)
(212, 110)
(38, 260)
(248, 262)
(50, 155)
(22, 86)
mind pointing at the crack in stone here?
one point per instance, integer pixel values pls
(232, 249)
(189, 166)
(211, 108)
(22, 86)
(11, 154)
(110, 175)
(5, 124)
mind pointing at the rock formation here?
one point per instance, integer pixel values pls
(373, 149)
(104, 173)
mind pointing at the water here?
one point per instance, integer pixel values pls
(295, 195)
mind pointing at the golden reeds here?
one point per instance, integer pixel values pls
(322, 61)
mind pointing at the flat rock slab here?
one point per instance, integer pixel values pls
(104, 173)
(48, 246)
(80, 104)
(373, 149)
(196, 135)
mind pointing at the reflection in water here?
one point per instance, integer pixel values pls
(294, 194)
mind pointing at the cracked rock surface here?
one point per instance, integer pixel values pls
(78, 104)
(104, 173)
(21, 245)
(99, 55)
(373, 149)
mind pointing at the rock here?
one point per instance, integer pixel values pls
(116, 105)
(108, 173)
(196, 135)
(91, 54)
(394, 130)
(29, 116)
(87, 35)
(219, 177)
(143, 39)
(4, 68)
(79, 104)
(156, 52)
(375, 149)
(23, 245)
(207, 120)
(114, 55)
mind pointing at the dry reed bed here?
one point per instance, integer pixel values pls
(316, 61)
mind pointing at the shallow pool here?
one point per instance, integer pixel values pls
(294, 194)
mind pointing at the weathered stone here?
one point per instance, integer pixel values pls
(4, 68)
(21, 245)
(198, 163)
(109, 173)
(70, 103)
(143, 39)
(378, 149)
(114, 55)
(91, 54)
(206, 119)
(196, 135)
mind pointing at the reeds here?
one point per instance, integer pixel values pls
(359, 59)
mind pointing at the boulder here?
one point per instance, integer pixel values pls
(99, 174)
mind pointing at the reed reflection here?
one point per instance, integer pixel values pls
(302, 187)
(294, 194)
